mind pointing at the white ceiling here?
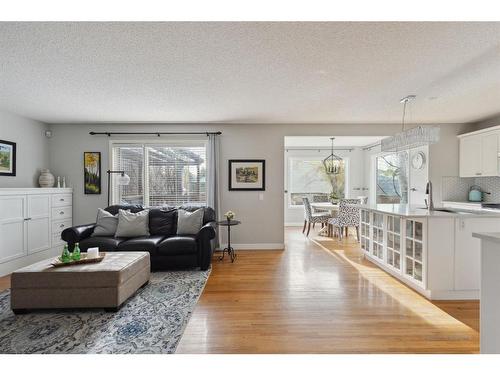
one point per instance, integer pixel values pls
(325, 142)
(249, 72)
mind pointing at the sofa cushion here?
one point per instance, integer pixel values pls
(132, 224)
(103, 243)
(189, 223)
(144, 243)
(208, 212)
(105, 225)
(178, 245)
(163, 221)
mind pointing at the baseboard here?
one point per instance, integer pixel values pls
(294, 224)
(444, 295)
(255, 246)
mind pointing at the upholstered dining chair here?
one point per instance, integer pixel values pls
(348, 217)
(313, 217)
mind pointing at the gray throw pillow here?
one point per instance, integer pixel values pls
(189, 222)
(105, 225)
(132, 224)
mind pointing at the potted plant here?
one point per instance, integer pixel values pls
(229, 215)
(333, 196)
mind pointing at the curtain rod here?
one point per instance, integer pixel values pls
(317, 149)
(109, 134)
(368, 148)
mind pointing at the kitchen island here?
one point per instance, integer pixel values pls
(433, 252)
(490, 301)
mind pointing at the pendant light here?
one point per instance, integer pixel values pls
(332, 162)
(411, 138)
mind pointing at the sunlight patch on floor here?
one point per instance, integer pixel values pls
(392, 287)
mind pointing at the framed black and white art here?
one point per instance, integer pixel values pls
(247, 174)
(7, 158)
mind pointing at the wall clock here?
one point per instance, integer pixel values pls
(418, 160)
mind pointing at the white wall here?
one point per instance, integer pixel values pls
(31, 149)
(263, 221)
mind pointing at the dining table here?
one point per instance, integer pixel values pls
(332, 208)
(325, 206)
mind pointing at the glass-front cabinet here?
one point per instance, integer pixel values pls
(397, 243)
(365, 231)
(378, 236)
(393, 257)
(414, 249)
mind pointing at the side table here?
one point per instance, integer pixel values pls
(229, 249)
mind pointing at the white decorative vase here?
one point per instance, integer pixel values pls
(46, 179)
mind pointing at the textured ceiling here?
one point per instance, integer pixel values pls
(342, 141)
(249, 72)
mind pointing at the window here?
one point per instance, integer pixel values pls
(308, 178)
(392, 178)
(161, 174)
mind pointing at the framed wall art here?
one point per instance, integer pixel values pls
(247, 174)
(7, 158)
(92, 172)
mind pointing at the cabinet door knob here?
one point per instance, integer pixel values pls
(61, 213)
(61, 226)
(61, 200)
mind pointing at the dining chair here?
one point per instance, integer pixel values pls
(348, 216)
(313, 217)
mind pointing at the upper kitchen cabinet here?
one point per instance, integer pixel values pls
(479, 153)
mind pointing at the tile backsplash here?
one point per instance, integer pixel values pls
(455, 188)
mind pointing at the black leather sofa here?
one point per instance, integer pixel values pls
(166, 248)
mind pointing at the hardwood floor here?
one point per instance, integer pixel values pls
(4, 283)
(320, 296)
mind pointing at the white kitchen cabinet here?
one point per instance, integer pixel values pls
(394, 240)
(38, 223)
(479, 154)
(414, 250)
(12, 227)
(365, 238)
(31, 223)
(489, 154)
(467, 251)
(432, 252)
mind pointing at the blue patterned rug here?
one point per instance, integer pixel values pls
(151, 321)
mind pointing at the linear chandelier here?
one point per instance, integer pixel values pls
(411, 138)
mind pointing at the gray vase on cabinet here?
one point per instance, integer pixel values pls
(46, 179)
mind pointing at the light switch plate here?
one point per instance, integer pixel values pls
(261, 196)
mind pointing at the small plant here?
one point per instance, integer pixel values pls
(333, 196)
(229, 215)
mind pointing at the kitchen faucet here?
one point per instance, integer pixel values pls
(428, 191)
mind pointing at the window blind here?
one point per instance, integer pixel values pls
(162, 174)
(307, 178)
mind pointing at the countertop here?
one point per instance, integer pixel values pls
(416, 211)
(492, 236)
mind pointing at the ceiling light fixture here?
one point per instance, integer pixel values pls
(332, 162)
(411, 138)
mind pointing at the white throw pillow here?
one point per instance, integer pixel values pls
(132, 224)
(106, 224)
(189, 222)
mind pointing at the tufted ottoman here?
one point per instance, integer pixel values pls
(98, 285)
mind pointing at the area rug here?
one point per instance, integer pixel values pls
(151, 321)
